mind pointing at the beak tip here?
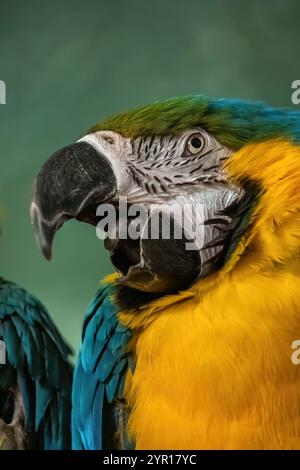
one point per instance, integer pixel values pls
(44, 233)
(47, 253)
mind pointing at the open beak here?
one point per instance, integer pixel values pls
(71, 184)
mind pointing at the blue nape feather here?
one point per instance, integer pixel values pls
(37, 362)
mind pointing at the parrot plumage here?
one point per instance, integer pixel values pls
(188, 349)
(35, 377)
(100, 375)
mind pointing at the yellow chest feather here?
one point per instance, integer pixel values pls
(217, 373)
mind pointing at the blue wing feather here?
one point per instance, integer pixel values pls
(99, 375)
(37, 361)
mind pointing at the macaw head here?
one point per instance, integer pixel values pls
(214, 167)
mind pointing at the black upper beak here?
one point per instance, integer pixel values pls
(72, 180)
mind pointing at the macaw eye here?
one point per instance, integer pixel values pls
(195, 144)
(7, 406)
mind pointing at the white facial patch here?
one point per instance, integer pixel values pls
(155, 168)
(115, 149)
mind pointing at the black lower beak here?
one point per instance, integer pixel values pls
(70, 183)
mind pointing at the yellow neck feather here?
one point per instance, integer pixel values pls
(213, 364)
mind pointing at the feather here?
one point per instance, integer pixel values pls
(37, 362)
(101, 364)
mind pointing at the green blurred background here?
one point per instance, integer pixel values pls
(69, 64)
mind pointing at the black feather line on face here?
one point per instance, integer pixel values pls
(128, 298)
(240, 214)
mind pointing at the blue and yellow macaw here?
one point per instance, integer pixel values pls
(35, 375)
(187, 348)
